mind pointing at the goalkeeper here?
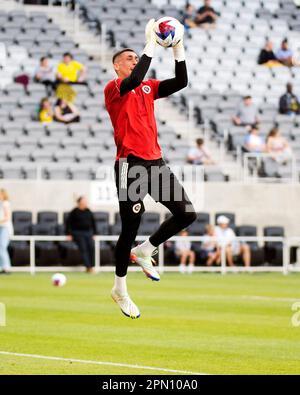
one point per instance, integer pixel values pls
(139, 167)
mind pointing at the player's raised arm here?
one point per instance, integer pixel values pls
(172, 85)
(140, 70)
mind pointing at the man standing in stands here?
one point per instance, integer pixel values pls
(139, 165)
(81, 229)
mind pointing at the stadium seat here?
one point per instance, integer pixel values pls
(274, 249)
(257, 253)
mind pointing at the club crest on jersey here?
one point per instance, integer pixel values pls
(136, 208)
(146, 89)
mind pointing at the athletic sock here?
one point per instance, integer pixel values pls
(120, 284)
(147, 248)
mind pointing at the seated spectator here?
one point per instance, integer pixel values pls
(227, 238)
(185, 253)
(45, 112)
(45, 74)
(289, 103)
(278, 146)
(253, 142)
(199, 155)
(206, 16)
(188, 18)
(69, 71)
(210, 250)
(267, 56)
(65, 112)
(246, 114)
(285, 55)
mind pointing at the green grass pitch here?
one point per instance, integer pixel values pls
(205, 323)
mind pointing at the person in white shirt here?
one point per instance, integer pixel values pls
(210, 251)
(226, 237)
(253, 142)
(199, 155)
(6, 231)
(184, 250)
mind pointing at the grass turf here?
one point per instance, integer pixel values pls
(233, 324)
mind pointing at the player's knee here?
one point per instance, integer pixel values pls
(187, 218)
(190, 217)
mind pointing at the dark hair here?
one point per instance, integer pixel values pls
(247, 97)
(68, 54)
(78, 200)
(255, 126)
(200, 141)
(120, 53)
(43, 100)
(273, 132)
(43, 58)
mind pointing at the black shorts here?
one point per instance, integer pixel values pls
(137, 177)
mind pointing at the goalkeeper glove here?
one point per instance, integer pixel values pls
(178, 49)
(150, 39)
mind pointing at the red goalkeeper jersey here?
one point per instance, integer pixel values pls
(133, 119)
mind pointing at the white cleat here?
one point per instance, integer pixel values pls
(146, 262)
(126, 305)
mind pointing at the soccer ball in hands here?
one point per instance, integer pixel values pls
(169, 31)
(59, 279)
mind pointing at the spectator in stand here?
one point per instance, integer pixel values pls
(285, 55)
(183, 249)
(81, 228)
(246, 114)
(206, 16)
(46, 113)
(289, 103)
(210, 251)
(45, 74)
(199, 155)
(66, 112)
(69, 71)
(253, 142)
(6, 231)
(267, 56)
(188, 19)
(227, 238)
(278, 146)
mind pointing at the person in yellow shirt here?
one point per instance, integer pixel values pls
(46, 112)
(69, 71)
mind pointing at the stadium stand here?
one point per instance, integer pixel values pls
(66, 253)
(222, 62)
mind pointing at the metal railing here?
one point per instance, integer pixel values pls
(285, 268)
(259, 158)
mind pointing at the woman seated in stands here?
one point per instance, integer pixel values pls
(66, 112)
(45, 112)
(278, 146)
(253, 142)
(210, 251)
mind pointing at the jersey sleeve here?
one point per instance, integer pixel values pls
(112, 91)
(154, 86)
(78, 66)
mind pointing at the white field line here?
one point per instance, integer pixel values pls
(115, 364)
(270, 298)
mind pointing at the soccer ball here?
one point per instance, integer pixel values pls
(59, 279)
(169, 31)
